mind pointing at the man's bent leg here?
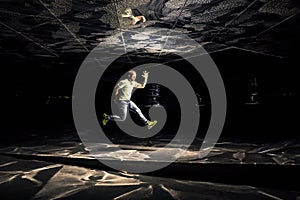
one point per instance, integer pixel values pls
(133, 107)
(123, 107)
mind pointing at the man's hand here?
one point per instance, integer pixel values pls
(145, 74)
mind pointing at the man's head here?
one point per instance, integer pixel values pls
(131, 75)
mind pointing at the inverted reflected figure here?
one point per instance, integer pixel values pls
(134, 19)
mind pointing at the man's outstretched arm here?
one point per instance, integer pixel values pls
(145, 75)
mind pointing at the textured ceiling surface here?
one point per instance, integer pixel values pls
(54, 28)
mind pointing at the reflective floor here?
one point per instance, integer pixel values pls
(52, 167)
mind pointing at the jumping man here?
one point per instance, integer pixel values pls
(122, 94)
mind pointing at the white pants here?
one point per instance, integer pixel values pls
(123, 107)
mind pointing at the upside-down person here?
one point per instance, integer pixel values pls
(134, 19)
